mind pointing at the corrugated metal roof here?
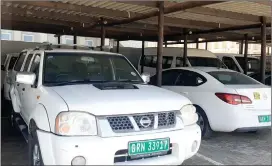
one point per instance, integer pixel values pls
(245, 7)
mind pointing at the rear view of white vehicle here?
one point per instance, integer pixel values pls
(84, 107)
(173, 57)
(6, 70)
(226, 101)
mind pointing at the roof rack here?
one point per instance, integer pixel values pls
(50, 46)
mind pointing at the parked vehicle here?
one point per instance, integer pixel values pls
(257, 76)
(6, 72)
(173, 57)
(236, 62)
(19, 66)
(225, 100)
(6, 67)
(85, 107)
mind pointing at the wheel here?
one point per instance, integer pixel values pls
(34, 152)
(206, 131)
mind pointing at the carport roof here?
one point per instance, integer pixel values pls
(83, 18)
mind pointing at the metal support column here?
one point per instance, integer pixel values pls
(165, 44)
(185, 48)
(103, 34)
(59, 41)
(206, 46)
(75, 41)
(117, 46)
(241, 47)
(142, 58)
(160, 43)
(263, 48)
(245, 54)
(197, 44)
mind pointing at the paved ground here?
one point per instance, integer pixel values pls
(222, 149)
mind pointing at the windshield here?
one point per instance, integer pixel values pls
(232, 78)
(206, 61)
(87, 68)
(253, 63)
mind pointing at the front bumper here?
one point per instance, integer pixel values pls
(60, 150)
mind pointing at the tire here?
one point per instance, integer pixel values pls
(34, 151)
(206, 131)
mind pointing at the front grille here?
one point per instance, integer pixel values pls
(142, 122)
(122, 155)
(166, 119)
(120, 123)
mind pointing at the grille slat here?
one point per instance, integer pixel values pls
(143, 121)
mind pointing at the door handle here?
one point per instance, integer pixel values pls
(23, 89)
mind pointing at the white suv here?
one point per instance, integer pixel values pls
(85, 107)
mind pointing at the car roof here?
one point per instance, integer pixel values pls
(81, 51)
(233, 55)
(202, 69)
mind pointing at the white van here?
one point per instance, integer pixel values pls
(173, 57)
(236, 62)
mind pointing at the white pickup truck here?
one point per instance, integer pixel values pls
(85, 107)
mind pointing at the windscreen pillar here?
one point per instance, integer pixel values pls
(185, 48)
(245, 54)
(103, 34)
(241, 47)
(206, 46)
(117, 46)
(143, 57)
(75, 41)
(160, 43)
(263, 48)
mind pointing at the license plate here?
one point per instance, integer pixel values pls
(148, 146)
(264, 118)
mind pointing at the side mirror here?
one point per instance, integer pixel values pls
(146, 77)
(25, 78)
(2, 67)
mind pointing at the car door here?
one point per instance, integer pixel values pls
(14, 89)
(30, 92)
(188, 83)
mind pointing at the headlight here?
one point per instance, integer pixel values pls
(188, 115)
(75, 124)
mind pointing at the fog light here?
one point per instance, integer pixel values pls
(79, 160)
(194, 146)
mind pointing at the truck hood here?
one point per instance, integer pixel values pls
(146, 98)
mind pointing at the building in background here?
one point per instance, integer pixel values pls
(216, 47)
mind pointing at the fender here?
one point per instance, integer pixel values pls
(13, 99)
(40, 117)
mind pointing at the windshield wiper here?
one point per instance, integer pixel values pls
(73, 82)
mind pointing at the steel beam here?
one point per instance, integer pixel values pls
(263, 48)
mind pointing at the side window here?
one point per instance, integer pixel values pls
(167, 62)
(151, 61)
(169, 78)
(20, 61)
(229, 62)
(179, 62)
(12, 62)
(190, 78)
(28, 59)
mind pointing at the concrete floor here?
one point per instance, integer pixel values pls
(222, 149)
